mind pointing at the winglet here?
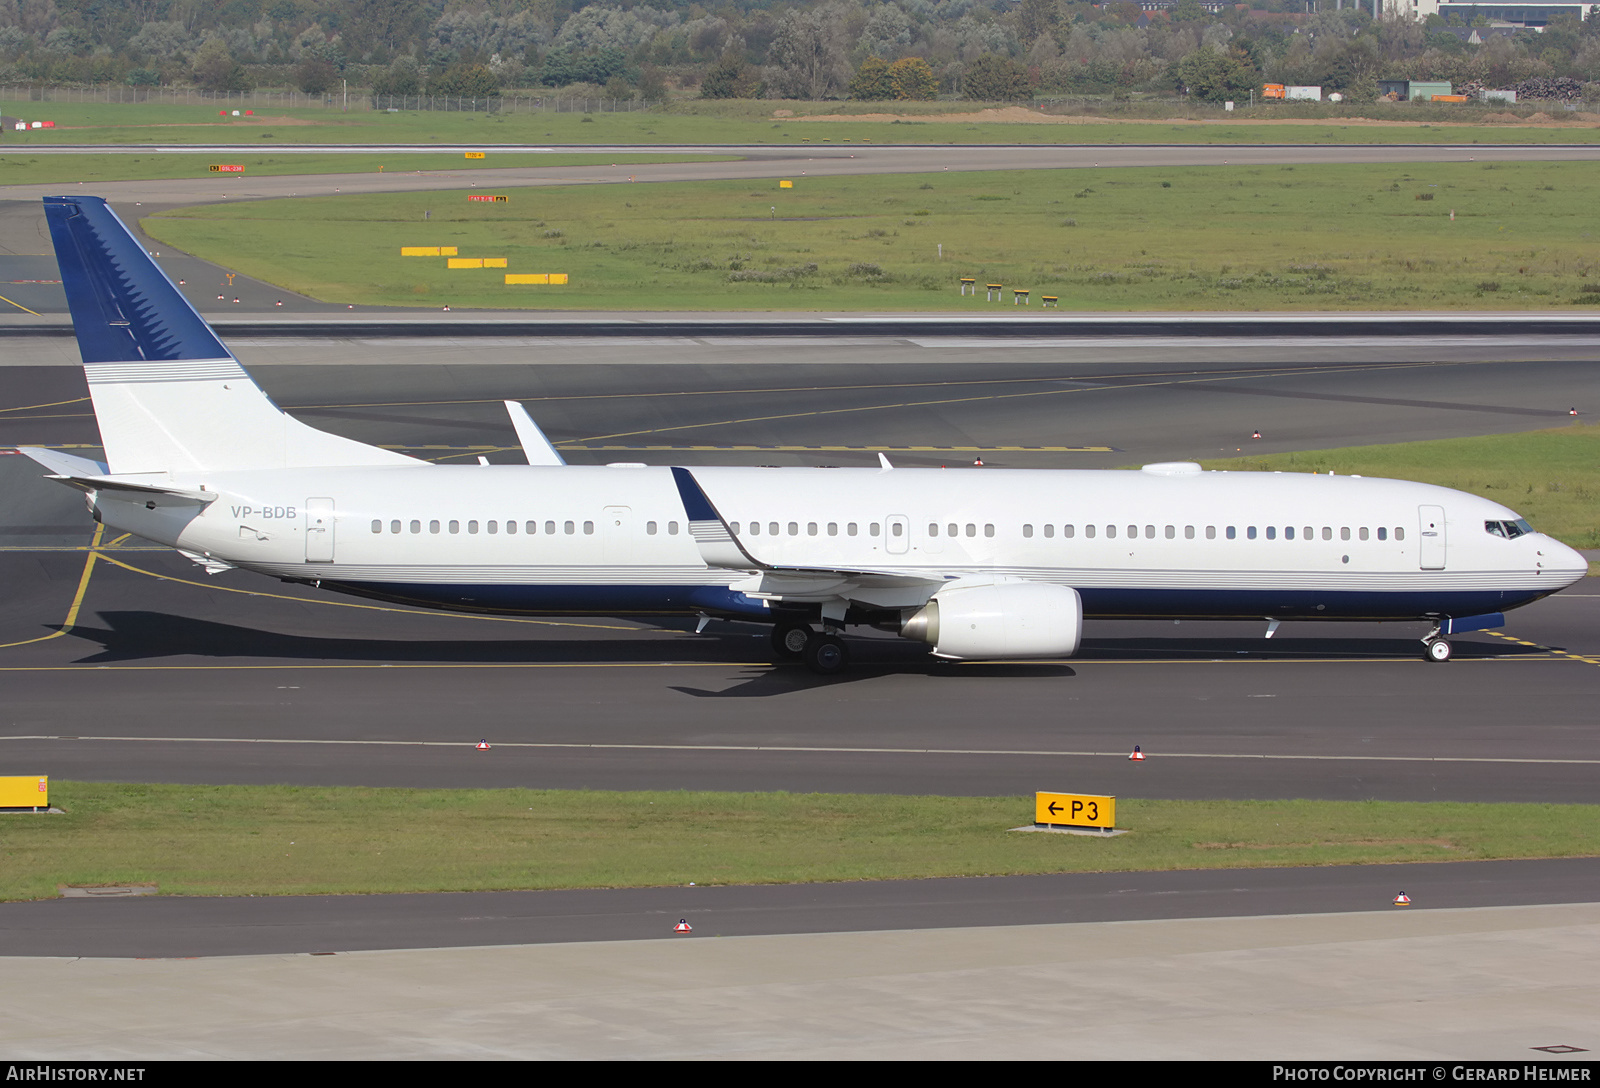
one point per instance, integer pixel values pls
(535, 446)
(884, 461)
(717, 544)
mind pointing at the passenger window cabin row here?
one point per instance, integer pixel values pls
(529, 528)
(1231, 532)
(936, 529)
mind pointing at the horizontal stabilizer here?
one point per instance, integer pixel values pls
(535, 446)
(64, 464)
(87, 475)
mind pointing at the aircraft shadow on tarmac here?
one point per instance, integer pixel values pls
(139, 635)
(1366, 648)
(787, 678)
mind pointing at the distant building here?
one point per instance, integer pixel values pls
(1510, 14)
(1513, 15)
(1213, 6)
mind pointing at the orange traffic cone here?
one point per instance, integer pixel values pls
(482, 746)
(1137, 756)
(683, 926)
(1402, 900)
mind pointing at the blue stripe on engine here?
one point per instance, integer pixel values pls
(124, 309)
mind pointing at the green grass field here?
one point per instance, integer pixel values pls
(39, 167)
(759, 122)
(1550, 477)
(274, 840)
(1193, 238)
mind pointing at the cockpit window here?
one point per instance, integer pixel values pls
(1508, 529)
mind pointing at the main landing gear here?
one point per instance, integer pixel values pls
(825, 654)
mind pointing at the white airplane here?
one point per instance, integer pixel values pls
(981, 565)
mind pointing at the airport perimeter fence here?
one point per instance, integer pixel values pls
(354, 100)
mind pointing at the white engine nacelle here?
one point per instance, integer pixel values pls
(1001, 619)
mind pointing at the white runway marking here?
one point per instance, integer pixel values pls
(1032, 753)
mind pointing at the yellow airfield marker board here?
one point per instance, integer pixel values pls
(25, 791)
(474, 154)
(1074, 810)
(427, 251)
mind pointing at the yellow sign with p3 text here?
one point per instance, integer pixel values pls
(1074, 810)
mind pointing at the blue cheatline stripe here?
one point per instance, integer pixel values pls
(1097, 604)
(536, 599)
(124, 309)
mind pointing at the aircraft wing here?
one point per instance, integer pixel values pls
(719, 547)
(87, 475)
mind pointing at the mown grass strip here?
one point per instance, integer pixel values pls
(1332, 238)
(284, 840)
(759, 122)
(1550, 477)
(35, 167)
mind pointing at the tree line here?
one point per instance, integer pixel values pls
(990, 50)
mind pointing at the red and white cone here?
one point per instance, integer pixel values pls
(683, 926)
(482, 746)
(1402, 900)
(1255, 434)
(1137, 756)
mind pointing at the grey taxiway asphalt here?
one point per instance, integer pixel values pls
(189, 677)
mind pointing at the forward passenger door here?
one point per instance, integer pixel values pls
(1431, 540)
